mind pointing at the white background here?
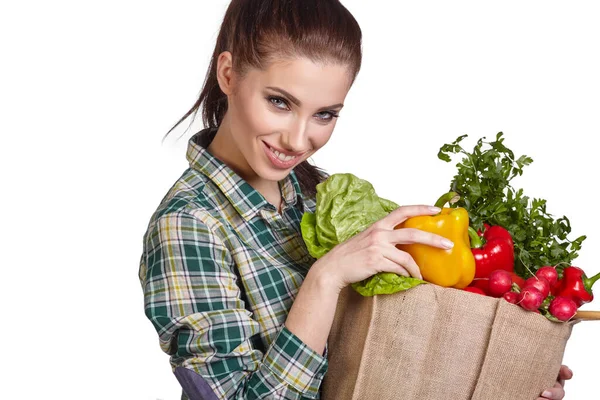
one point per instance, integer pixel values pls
(88, 89)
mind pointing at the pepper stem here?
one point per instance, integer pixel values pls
(476, 241)
(450, 197)
(589, 282)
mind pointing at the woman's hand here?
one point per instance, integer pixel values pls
(557, 392)
(374, 249)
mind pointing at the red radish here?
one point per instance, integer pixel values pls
(540, 284)
(562, 308)
(549, 274)
(500, 282)
(474, 290)
(530, 298)
(511, 297)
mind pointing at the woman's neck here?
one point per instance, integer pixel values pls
(221, 147)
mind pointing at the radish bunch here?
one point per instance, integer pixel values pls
(532, 294)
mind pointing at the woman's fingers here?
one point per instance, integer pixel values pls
(556, 393)
(404, 260)
(403, 213)
(411, 235)
(564, 374)
(393, 266)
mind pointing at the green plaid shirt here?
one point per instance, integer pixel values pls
(220, 270)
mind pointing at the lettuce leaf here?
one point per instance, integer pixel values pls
(385, 283)
(347, 205)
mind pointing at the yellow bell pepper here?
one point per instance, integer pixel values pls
(454, 267)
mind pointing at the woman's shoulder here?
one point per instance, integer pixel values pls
(190, 194)
(310, 203)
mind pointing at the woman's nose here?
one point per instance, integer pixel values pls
(295, 139)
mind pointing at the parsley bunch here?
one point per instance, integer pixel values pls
(483, 183)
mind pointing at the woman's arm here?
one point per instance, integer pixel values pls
(365, 254)
(192, 297)
(311, 315)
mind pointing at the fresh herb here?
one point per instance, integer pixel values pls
(483, 182)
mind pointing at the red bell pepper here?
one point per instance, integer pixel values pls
(518, 280)
(576, 285)
(497, 251)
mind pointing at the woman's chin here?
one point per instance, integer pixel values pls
(267, 170)
(272, 174)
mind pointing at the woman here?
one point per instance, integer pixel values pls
(238, 303)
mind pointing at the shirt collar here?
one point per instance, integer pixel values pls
(244, 198)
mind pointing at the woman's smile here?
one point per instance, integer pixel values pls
(281, 159)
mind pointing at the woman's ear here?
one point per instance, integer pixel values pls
(225, 74)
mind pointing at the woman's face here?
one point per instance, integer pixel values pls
(281, 116)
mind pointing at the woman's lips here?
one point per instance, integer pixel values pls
(287, 153)
(278, 163)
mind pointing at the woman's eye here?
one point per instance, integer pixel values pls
(324, 116)
(277, 101)
(329, 118)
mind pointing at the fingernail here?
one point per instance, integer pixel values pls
(435, 209)
(447, 243)
(547, 394)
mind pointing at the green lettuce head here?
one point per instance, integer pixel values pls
(346, 206)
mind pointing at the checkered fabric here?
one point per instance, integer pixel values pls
(220, 269)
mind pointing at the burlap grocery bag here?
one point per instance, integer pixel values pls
(431, 342)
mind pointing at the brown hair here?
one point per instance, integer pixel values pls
(258, 32)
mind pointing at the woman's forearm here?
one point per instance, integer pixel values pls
(311, 315)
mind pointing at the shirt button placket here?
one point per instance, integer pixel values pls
(273, 219)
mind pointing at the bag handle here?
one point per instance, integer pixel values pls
(587, 315)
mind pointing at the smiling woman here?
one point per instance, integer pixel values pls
(228, 282)
(277, 117)
(239, 304)
(298, 58)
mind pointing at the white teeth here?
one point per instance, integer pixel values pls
(282, 156)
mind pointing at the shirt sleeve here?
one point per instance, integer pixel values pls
(192, 298)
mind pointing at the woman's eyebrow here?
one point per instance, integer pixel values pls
(297, 102)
